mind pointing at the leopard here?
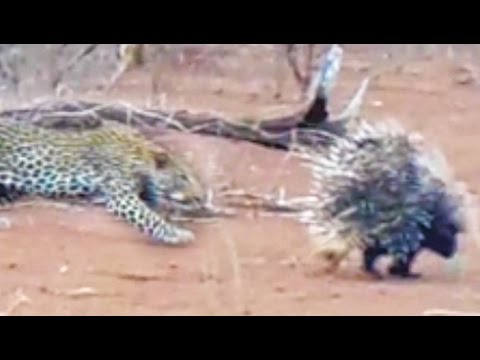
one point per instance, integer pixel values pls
(114, 166)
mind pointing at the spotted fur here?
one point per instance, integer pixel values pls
(113, 165)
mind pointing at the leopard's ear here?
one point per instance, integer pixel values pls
(161, 158)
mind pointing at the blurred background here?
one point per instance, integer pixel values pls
(28, 71)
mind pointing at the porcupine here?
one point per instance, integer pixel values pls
(377, 190)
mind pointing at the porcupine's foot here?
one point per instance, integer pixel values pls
(400, 271)
(401, 268)
(370, 255)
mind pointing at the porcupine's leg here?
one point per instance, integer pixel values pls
(401, 267)
(370, 256)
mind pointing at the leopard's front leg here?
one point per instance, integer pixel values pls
(128, 206)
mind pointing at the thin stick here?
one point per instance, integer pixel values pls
(292, 62)
(72, 63)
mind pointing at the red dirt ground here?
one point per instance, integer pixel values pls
(80, 261)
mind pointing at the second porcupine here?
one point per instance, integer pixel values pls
(376, 189)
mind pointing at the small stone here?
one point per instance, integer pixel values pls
(335, 295)
(464, 75)
(172, 265)
(12, 265)
(464, 79)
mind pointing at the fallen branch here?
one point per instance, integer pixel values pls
(277, 133)
(311, 126)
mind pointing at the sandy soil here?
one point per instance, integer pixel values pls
(64, 260)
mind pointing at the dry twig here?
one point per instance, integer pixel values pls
(133, 276)
(74, 61)
(77, 293)
(272, 203)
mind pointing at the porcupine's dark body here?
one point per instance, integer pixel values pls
(440, 237)
(380, 195)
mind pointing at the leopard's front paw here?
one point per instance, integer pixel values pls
(175, 236)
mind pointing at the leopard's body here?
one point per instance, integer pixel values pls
(114, 165)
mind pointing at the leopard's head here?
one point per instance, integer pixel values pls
(174, 185)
